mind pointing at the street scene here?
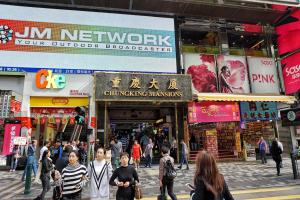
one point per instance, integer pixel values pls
(150, 99)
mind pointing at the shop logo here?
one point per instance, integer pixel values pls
(291, 115)
(6, 34)
(45, 79)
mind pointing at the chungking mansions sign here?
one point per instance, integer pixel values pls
(142, 87)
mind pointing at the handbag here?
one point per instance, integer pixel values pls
(137, 191)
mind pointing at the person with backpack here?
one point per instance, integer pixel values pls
(208, 182)
(276, 155)
(167, 174)
(99, 172)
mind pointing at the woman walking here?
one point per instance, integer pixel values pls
(276, 155)
(74, 177)
(209, 183)
(125, 177)
(100, 172)
(136, 154)
(47, 167)
(14, 158)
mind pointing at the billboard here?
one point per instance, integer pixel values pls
(202, 68)
(83, 42)
(10, 132)
(213, 112)
(263, 75)
(233, 75)
(290, 117)
(252, 111)
(291, 73)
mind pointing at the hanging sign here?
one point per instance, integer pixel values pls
(252, 111)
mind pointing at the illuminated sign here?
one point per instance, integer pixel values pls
(45, 79)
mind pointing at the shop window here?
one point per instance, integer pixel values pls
(199, 42)
(247, 44)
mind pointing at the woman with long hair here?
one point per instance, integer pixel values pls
(100, 172)
(125, 177)
(209, 183)
(276, 155)
(47, 167)
(74, 176)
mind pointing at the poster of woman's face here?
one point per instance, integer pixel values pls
(233, 76)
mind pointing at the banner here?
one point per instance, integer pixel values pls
(213, 112)
(20, 141)
(291, 73)
(202, 68)
(290, 117)
(77, 40)
(10, 132)
(263, 75)
(233, 75)
(253, 111)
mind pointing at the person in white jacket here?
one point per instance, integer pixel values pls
(100, 172)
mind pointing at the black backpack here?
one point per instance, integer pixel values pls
(170, 171)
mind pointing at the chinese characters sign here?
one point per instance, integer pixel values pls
(142, 87)
(10, 132)
(213, 112)
(252, 111)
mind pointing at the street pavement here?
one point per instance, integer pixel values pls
(247, 180)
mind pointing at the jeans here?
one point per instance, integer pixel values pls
(148, 161)
(30, 161)
(46, 186)
(169, 185)
(263, 156)
(278, 167)
(14, 163)
(184, 161)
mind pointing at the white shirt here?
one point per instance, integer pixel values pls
(103, 192)
(43, 149)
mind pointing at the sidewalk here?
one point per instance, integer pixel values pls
(239, 176)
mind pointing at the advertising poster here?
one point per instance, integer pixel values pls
(10, 132)
(81, 42)
(233, 75)
(252, 111)
(213, 112)
(263, 75)
(202, 68)
(291, 73)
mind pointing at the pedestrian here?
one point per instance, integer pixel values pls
(173, 150)
(46, 168)
(136, 154)
(31, 160)
(262, 145)
(63, 162)
(74, 145)
(99, 172)
(184, 155)
(276, 155)
(14, 158)
(119, 143)
(166, 143)
(125, 177)
(82, 154)
(74, 177)
(281, 147)
(115, 154)
(44, 148)
(149, 153)
(164, 181)
(208, 182)
(144, 141)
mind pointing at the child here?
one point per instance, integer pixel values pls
(57, 195)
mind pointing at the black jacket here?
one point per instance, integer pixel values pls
(47, 167)
(201, 193)
(62, 162)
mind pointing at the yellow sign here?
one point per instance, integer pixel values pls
(154, 84)
(116, 82)
(173, 84)
(135, 83)
(58, 101)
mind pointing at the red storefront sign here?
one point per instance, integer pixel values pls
(213, 112)
(10, 132)
(291, 73)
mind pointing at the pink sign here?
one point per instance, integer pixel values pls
(213, 112)
(291, 73)
(10, 132)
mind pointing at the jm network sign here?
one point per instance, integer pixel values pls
(85, 40)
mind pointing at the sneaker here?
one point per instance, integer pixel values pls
(13, 170)
(10, 170)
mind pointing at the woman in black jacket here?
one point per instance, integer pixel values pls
(47, 167)
(209, 183)
(276, 155)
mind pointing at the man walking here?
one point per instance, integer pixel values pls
(31, 159)
(184, 155)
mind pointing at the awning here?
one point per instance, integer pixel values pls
(245, 97)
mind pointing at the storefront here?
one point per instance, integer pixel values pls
(132, 105)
